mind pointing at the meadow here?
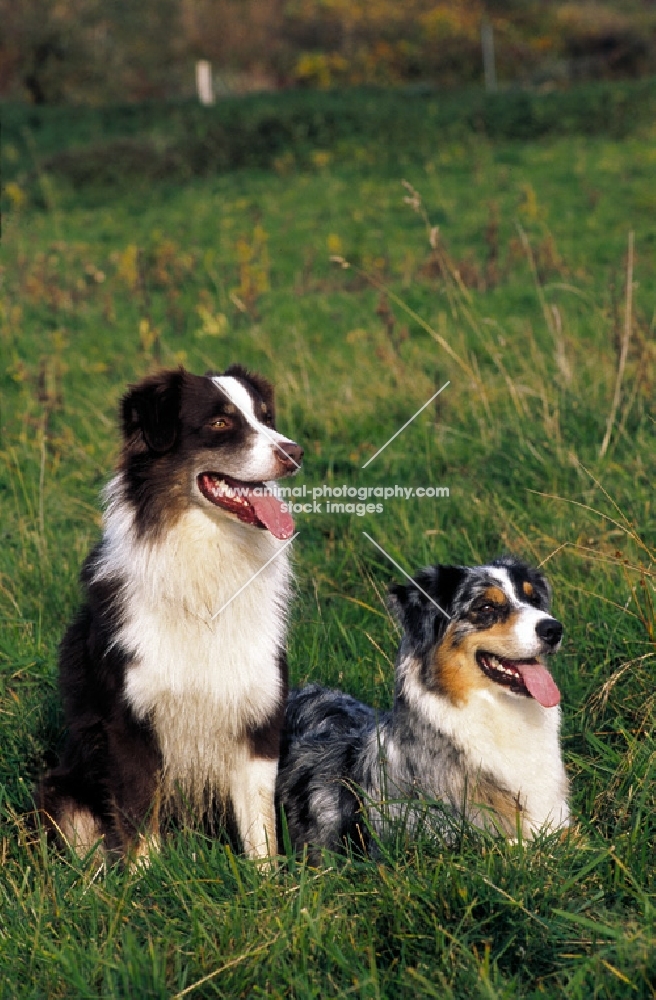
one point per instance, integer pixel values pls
(522, 272)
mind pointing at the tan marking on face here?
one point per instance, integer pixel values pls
(458, 674)
(495, 595)
(500, 639)
(229, 408)
(528, 588)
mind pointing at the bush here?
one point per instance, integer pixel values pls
(175, 141)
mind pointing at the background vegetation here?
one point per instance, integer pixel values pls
(88, 51)
(504, 266)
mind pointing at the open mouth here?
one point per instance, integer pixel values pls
(528, 677)
(251, 503)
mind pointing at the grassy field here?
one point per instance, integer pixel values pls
(521, 272)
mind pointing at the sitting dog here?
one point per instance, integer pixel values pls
(173, 674)
(475, 722)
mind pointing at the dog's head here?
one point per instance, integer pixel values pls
(206, 440)
(480, 629)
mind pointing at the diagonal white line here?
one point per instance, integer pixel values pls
(258, 426)
(406, 575)
(255, 575)
(406, 424)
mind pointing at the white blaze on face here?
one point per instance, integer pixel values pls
(525, 645)
(260, 460)
(524, 631)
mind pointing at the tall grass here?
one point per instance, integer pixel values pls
(501, 268)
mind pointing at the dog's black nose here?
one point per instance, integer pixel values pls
(290, 454)
(550, 631)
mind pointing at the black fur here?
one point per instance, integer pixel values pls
(110, 759)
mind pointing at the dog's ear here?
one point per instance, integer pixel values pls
(152, 408)
(261, 386)
(424, 607)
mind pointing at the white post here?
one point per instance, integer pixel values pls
(204, 87)
(487, 44)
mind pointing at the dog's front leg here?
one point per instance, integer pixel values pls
(135, 769)
(252, 789)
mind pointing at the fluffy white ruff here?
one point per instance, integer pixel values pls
(203, 681)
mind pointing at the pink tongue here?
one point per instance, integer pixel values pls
(270, 512)
(540, 683)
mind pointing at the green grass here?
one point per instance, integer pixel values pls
(528, 290)
(95, 148)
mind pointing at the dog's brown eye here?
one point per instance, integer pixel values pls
(220, 424)
(487, 608)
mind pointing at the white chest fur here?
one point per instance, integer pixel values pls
(203, 680)
(517, 740)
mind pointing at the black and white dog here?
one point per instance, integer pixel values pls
(173, 674)
(475, 722)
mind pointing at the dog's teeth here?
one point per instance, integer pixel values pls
(495, 664)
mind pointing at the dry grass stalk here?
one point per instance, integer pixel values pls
(623, 351)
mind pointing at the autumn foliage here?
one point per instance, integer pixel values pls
(85, 50)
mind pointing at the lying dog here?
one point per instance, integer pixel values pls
(475, 722)
(173, 674)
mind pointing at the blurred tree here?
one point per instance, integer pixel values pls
(89, 50)
(144, 47)
(37, 48)
(126, 50)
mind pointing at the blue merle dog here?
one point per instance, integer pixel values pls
(474, 725)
